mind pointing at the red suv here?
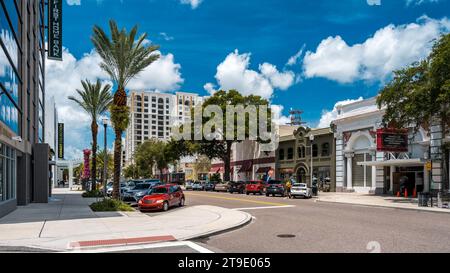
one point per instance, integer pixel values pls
(162, 198)
(255, 187)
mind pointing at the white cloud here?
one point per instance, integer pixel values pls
(390, 48)
(64, 77)
(374, 2)
(210, 88)
(419, 2)
(194, 3)
(294, 59)
(234, 73)
(73, 2)
(328, 116)
(165, 36)
(163, 75)
(277, 115)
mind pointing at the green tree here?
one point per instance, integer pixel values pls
(101, 164)
(420, 93)
(123, 57)
(221, 147)
(95, 100)
(131, 171)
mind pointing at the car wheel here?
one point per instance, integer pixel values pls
(247, 193)
(165, 206)
(181, 202)
(267, 194)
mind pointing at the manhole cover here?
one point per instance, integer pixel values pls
(286, 235)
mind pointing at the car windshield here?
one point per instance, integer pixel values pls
(158, 190)
(272, 182)
(142, 186)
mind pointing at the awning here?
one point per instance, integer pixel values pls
(246, 166)
(286, 170)
(215, 170)
(263, 169)
(394, 162)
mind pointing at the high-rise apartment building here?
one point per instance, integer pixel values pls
(152, 115)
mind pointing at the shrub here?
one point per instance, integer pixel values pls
(111, 205)
(94, 193)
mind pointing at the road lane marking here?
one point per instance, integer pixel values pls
(270, 207)
(237, 199)
(189, 244)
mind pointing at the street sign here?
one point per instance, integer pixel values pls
(60, 140)
(55, 29)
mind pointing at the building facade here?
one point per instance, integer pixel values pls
(153, 114)
(51, 135)
(22, 96)
(304, 151)
(362, 166)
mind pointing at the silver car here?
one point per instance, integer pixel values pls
(300, 189)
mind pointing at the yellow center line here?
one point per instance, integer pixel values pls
(237, 199)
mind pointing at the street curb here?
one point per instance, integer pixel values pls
(380, 206)
(247, 221)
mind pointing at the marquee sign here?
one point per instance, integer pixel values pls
(392, 140)
(55, 29)
(60, 140)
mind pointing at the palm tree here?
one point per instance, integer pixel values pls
(95, 100)
(123, 57)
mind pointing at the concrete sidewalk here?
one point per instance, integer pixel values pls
(376, 200)
(67, 222)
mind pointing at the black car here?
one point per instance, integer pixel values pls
(210, 186)
(236, 186)
(275, 187)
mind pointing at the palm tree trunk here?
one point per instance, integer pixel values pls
(94, 129)
(120, 100)
(117, 159)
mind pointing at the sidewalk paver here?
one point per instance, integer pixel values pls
(376, 200)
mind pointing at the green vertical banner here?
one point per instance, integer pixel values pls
(60, 140)
(55, 29)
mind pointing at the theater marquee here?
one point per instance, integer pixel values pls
(392, 140)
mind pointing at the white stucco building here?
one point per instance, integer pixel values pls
(360, 167)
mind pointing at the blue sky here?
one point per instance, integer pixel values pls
(349, 48)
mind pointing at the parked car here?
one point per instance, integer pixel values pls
(255, 187)
(300, 189)
(275, 187)
(188, 185)
(221, 186)
(236, 186)
(162, 198)
(209, 186)
(139, 190)
(198, 186)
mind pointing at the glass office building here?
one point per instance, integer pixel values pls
(22, 64)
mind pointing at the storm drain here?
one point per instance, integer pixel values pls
(285, 235)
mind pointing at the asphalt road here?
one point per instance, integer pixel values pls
(309, 226)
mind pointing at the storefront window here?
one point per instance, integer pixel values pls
(7, 173)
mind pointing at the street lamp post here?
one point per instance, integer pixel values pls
(311, 139)
(105, 160)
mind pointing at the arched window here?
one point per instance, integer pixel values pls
(290, 153)
(160, 100)
(301, 152)
(186, 103)
(315, 150)
(281, 154)
(326, 149)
